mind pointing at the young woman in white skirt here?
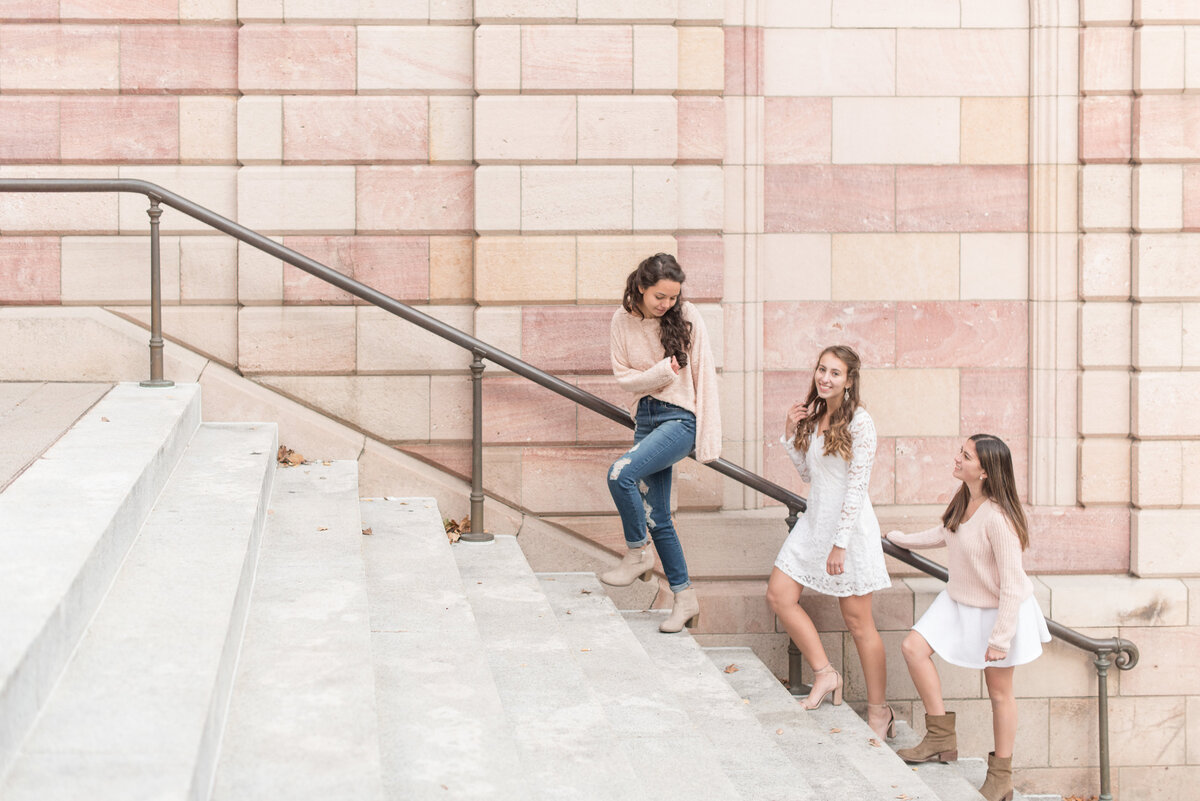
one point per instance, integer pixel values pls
(834, 547)
(987, 617)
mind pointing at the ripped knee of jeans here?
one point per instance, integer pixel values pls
(617, 467)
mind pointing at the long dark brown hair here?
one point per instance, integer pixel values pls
(675, 333)
(838, 439)
(999, 485)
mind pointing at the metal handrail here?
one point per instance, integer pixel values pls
(1112, 651)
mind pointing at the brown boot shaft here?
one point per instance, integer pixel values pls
(940, 743)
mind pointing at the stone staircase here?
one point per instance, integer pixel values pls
(185, 620)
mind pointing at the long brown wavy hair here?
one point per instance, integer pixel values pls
(999, 485)
(675, 333)
(837, 439)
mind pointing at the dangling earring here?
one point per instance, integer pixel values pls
(845, 394)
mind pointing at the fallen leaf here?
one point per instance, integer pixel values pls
(745, 700)
(874, 743)
(585, 650)
(732, 668)
(585, 592)
(105, 420)
(288, 457)
(456, 528)
(834, 730)
(367, 530)
(326, 463)
(779, 731)
(322, 528)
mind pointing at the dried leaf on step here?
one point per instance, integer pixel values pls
(732, 668)
(874, 743)
(585, 650)
(585, 592)
(327, 463)
(368, 531)
(322, 528)
(288, 457)
(835, 730)
(105, 420)
(779, 731)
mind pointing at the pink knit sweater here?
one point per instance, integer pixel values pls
(985, 566)
(640, 368)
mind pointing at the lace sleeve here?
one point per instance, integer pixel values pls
(799, 459)
(858, 476)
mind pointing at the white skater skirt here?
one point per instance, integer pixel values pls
(959, 633)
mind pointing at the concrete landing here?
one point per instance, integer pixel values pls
(33, 415)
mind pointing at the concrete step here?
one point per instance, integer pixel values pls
(671, 756)
(442, 730)
(301, 721)
(753, 759)
(830, 745)
(567, 747)
(140, 707)
(34, 415)
(65, 526)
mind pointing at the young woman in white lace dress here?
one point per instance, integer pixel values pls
(835, 546)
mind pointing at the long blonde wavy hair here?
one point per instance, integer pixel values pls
(837, 440)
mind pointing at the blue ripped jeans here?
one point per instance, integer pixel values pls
(640, 482)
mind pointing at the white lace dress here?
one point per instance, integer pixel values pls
(839, 513)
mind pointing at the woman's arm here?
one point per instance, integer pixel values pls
(1006, 550)
(630, 379)
(858, 476)
(704, 377)
(929, 538)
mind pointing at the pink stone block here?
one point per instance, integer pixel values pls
(794, 333)
(962, 198)
(59, 58)
(703, 260)
(883, 473)
(1075, 540)
(29, 270)
(120, 128)
(516, 410)
(567, 480)
(799, 130)
(397, 266)
(278, 59)
(415, 199)
(1106, 60)
(29, 133)
(355, 130)
(743, 60)
(192, 59)
(994, 401)
(29, 10)
(701, 136)
(1105, 129)
(948, 62)
(595, 429)
(962, 334)
(580, 58)
(133, 11)
(1166, 128)
(296, 340)
(923, 469)
(826, 198)
(567, 339)
(1191, 197)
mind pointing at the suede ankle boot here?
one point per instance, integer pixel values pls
(998, 784)
(940, 743)
(637, 563)
(684, 612)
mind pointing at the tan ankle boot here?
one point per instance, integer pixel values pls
(998, 784)
(637, 563)
(940, 743)
(684, 612)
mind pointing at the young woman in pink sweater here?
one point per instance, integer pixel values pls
(660, 354)
(987, 617)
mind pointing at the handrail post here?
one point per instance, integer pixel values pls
(156, 340)
(476, 534)
(1102, 663)
(796, 685)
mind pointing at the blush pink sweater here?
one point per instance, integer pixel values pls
(985, 566)
(641, 368)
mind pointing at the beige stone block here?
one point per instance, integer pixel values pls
(415, 58)
(629, 130)
(1158, 61)
(210, 331)
(306, 340)
(1106, 195)
(656, 199)
(498, 58)
(259, 129)
(994, 266)
(1104, 601)
(1105, 12)
(1104, 402)
(1163, 404)
(604, 262)
(655, 58)
(1168, 663)
(116, 269)
(513, 128)
(500, 327)
(517, 269)
(210, 186)
(1191, 474)
(960, 62)
(584, 199)
(1160, 12)
(517, 11)
(912, 402)
(302, 200)
(59, 213)
(885, 266)
(497, 199)
(1191, 335)
(451, 268)
(626, 10)
(1062, 671)
(1191, 78)
(208, 10)
(1105, 266)
(994, 130)
(1151, 731)
(208, 269)
(799, 62)
(1106, 60)
(701, 59)
(260, 10)
(701, 197)
(1158, 335)
(450, 412)
(885, 14)
(1193, 720)
(208, 131)
(260, 275)
(388, 344)
(1161, 542)
(1105, 334)
(895, 130)
(1104, 471)
(1158, 197)
(451, 129)
(798, 266)
(1157, 473)
(1164, 267)
(712, 11)
(389, 408)
(790, 14)
(989, 14)
(416, 11)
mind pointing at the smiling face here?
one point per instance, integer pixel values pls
(966, 464)
(658, 299)
(830, 377)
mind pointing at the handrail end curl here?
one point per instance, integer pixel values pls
(1126, 655)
